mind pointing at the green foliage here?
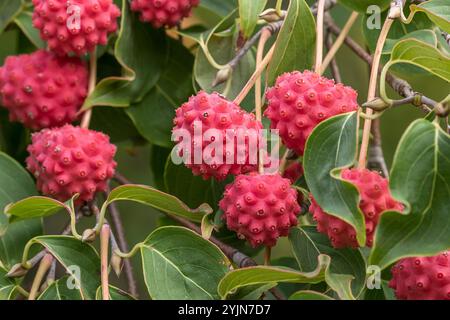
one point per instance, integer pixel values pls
(294, 48)
(248, 14)
(362, 5)
(419, 179)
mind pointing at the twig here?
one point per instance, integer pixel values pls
(372, 90)
(123, 246)
(239, 259)
(85, 121)
(376, 158)
(402, 87)
(121, 179)
(267, 254)
(45, 264)
(319, 35)
(248, 86)
(258, 94)
(338, 42)
(333, 63)
(104, 247)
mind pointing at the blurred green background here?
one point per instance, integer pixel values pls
(135, 157)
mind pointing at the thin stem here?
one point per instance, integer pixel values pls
(22, 291)
(339, 41)
(267, 253)
(104, 247)
(283, 162)
(123, 246)
(376, 157)
(278, 7)
(251, 82)
(45, 264)
(333, 64)
(258, 92)
(319, 32)
(121, 179)
(372, 90)
(85, 121)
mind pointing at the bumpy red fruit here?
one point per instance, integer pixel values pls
(260, 208)
(207, 117)
(70, 160)
(300, 101)
(163, 12)
(43, 90)
(375, 199)
(426, 278)
(75, 26)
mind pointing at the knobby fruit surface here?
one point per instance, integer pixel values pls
(260, 208)
(43, 90)
(71, 160)
(375, 198)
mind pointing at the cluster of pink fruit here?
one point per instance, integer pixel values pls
(45, 90)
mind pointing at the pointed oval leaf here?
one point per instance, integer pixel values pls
(362, 5)
(78, 258)
(437, 11)
(141, 52)
(179, 264)
(309, 295)
(24, 21)
(61, 289)
(419, 179)
(8, 10)
(34, 207)
(258, 275)
(15, 184)
(307, 243)
(294, 48)
(114, 294)
(332, 146)
(249, 11)
(156, 199)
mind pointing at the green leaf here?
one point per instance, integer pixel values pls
(173, 89)
(74, 254)
(295, 45)
(8, 10)
(115, 122)
(59, 290)
(437, 11)
(309, 295)
(193, 190)
(212, 11)
(362, 5)
(258, 275)
(34, 207)
(15, 184)
(249, 11)
(179, 264)
(24, 22)
(114, 294)
(427, 36)
(419, 179)
(141, 52)
(307, 244)
(157, 199)
(422, 55)
(331, 147)
(253, 292)
(7, 285)
(223, 49)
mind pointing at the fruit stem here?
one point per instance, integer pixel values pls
(44, 266)
(251, 82)
(372, 90)
(338, 42)
(265, 35)
(267, 254)
(86, 120)
(319, 32)
(104, 247)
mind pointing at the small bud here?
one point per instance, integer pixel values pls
(377, 104)
(442, 110)
(271, 15)
(222, 76)
(116, 264)
(17, 271)
(88, 235)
